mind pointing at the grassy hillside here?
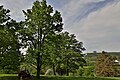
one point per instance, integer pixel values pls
(96, 54)
(93, 56)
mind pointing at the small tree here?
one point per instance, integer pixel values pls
(105, 65)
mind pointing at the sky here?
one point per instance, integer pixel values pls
(96, 23)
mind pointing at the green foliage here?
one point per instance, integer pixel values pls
(63, 53)
(87, 71)
(9, 60)
(4, 16)
(40, 34)
(9, 51)
(40, 21)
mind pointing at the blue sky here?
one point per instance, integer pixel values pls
(94, 22)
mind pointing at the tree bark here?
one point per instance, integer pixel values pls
(38, 66)
(54, 69)
(67, 71)
(38, 55)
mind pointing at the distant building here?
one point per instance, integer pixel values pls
(116, 61)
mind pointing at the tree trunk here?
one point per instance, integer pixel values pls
(54, 69)
(67, 71)
(38, 66)
(39, 62)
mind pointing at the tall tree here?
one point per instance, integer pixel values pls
(40, 21)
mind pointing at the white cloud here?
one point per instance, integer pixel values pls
(101, 29)
(72, 8)
(76, 10)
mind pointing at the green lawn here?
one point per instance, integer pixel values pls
(2, 75)
(14, 77)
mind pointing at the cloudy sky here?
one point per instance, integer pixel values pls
(94, 22)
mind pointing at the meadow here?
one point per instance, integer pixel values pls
(14, 77)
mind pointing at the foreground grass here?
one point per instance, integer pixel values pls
(14, 77)
(77, 78)
(1, 75)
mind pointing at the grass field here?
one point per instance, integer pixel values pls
(14, 77)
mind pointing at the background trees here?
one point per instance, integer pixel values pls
(9, 48)
(63, 53)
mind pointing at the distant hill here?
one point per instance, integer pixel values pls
(96, 54)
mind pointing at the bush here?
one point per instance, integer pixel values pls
(86, 71)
